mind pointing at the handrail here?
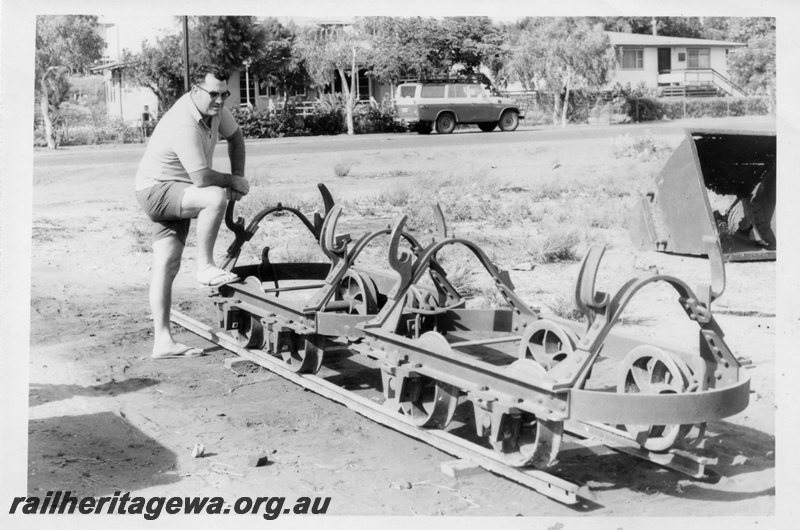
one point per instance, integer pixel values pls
(715, 75)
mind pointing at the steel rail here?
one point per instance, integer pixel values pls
(540, 481)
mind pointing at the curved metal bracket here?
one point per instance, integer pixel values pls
(399, 260)
(241, 236)
(714, 251)
(569, 375)
(441, 226)
(332, 246)
(237, 227)
(327, 198)
(589, 301)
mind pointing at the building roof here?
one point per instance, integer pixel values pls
(110, 66)
(637, 39)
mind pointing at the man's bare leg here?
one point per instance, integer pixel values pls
(208, 205)
(166, 264)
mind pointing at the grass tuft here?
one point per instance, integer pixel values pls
(627, 146)
(558, 245)
(342, 169)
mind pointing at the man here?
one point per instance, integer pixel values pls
(175, 183)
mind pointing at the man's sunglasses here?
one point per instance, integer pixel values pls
(214, 95)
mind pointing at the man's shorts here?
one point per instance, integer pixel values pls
(162, 203)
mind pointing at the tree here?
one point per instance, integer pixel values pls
(225, 41)
(422, 47)
(335, 49)
(159, 67)
(559, 56)
(689, 27)
(753, 67)
(64, 44)
(278, 61)
(470, 42)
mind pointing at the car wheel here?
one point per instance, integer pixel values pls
(488, 126)
(445, 123)
(509, 121)
(424, 127)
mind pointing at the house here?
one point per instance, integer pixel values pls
(123, 100)
(676, 66)
(129, 102)
(249, 91)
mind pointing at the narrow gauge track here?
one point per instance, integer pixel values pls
(583, 434)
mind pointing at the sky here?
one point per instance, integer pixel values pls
(128, 31)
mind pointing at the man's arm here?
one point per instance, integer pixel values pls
(236, 152)
(208, 177)
(234, 180)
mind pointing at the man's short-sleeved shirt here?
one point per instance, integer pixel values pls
(182, 143)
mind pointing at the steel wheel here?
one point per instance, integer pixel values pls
(547, 343)
(250, 333)
(445, 123)
(522, 439)
(525, 440)
(359, 294)
(307, 360)
(650, 370)
(509, 121)
(425, 401)
(429, 403)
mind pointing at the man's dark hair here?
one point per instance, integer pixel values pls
(199, 74)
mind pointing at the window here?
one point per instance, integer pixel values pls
(699, 58)
(432, 91)
(363, 85)
(408, 91)
(299, 91)
(632, 58)
(457, 91)
(245, 90)
(474, 91)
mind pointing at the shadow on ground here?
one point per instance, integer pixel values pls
(41, 394)
(93, 455)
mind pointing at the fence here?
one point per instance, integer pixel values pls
(647, 109)
(539, 109)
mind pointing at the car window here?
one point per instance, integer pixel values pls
(474, 91)
(457, 91)
(408, 91)
(432, 91)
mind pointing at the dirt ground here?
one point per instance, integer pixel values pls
(104, 417)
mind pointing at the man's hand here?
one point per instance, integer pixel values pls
(233, 195)
(240, 185)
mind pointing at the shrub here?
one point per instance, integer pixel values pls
(564, 307)
(378, 119)
(79, 127)
(560, 244)
(649, 109)
(635, 147)
(342, 169)
(326, 122)
(266, 124)
(645, 109)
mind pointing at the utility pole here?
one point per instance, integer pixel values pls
(185, 53)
